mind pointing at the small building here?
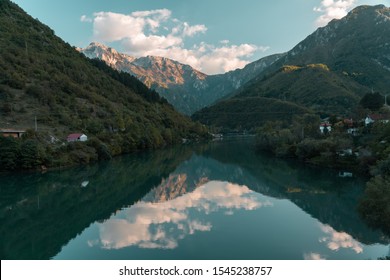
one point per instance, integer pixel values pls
(15, 133)
(325, 127)
(77, 137)
(370, 119)
(349, 123)
(345, 174)
(345, 152)
(217, 136)
(353, 131)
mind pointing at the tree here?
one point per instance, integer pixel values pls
(372, 101)
(32, 154)
(307, 125)
(375, 206)
(9, 153)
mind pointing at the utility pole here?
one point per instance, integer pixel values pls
(25, 44)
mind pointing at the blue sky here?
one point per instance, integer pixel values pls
(213, 36)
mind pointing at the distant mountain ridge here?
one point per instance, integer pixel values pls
(186, 88)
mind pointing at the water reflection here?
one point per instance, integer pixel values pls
(313, 256)
(162, 224)
(40, 213)
(335, 240)
(185, 202)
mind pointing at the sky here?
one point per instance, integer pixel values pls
(213, 36)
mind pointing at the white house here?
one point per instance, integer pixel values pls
(368, 121)
(325, 127)
(374, 118)
(77, 137)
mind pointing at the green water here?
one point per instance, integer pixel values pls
(211, 201)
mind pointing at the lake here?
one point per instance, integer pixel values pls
(219, 200)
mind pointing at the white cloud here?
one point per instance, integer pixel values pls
(111, 27)
(156, 33)
(209, 58)
(228, 58)
(142, 45)
(192, 30)
(162, 225)
(162, 14)
(333, 9)
(84, 18)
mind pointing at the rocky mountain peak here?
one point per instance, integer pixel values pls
(107, 54)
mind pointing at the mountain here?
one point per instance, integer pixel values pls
(356, 46)
(328, 72)
(154, 71)
(46, 83)
(187, 89)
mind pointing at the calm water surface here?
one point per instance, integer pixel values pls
(214, 201)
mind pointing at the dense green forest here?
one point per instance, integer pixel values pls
(247, 113)
(314, 86)
(43, 78)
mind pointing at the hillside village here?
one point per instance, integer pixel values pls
(348, 143)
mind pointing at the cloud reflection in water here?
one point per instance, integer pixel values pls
(314, 256)
(336, 240)
(162, 225)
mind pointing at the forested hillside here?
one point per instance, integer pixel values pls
(47, 84)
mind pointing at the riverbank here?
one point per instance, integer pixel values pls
(36, 151)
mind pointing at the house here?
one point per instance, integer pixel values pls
(345, 152)
(353, 131)
(375, 118)
(325, 127)
(345, 174)
(77, 137)
(12, 133)
(350, 125)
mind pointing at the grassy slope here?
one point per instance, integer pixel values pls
(313, 86)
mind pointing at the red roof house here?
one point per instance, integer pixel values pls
(77, 137)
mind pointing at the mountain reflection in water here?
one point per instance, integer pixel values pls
(214, 201)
